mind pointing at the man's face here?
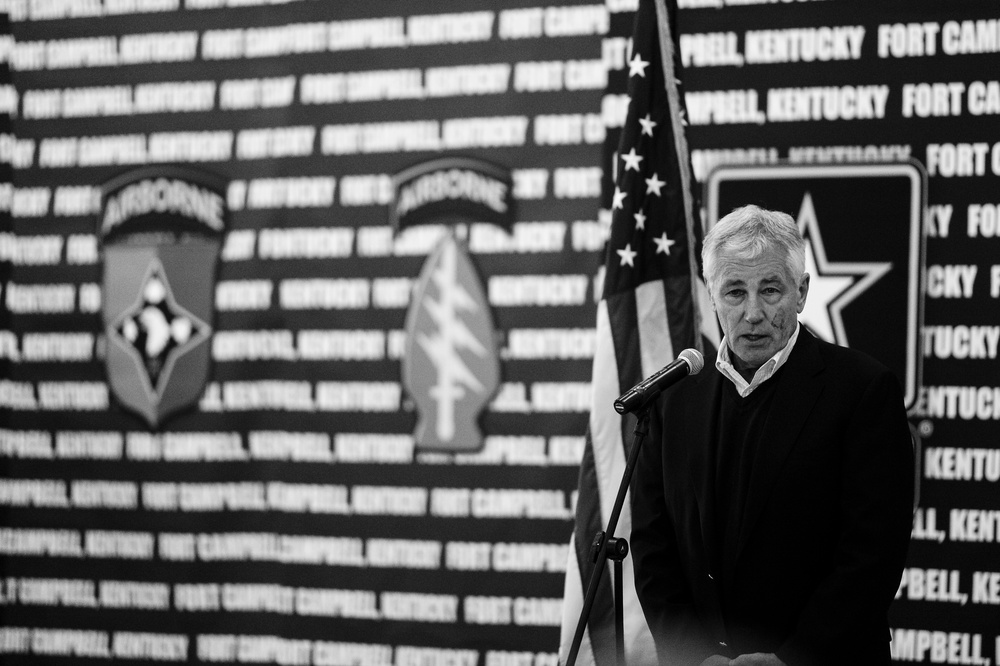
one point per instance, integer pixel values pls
(757, 302)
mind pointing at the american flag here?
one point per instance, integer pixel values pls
(652, 307)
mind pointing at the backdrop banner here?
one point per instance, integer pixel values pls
(301, 303)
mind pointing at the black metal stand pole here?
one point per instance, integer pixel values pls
(619, 602)
(604, 548)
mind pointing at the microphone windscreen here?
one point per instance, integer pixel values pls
(694, 359)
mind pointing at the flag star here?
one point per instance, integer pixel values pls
(632, 160)
(619, 201)
(627, 255)
(637, 66)
(647, 125)
(640, 220)
(654, 184)
(663, 244)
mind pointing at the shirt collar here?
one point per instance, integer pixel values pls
(724, 365)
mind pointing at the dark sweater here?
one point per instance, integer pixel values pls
(738, 434)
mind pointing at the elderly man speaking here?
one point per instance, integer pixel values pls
(772, 504)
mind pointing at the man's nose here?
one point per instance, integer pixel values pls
(753, 313)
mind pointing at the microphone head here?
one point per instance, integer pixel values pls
(694, 360)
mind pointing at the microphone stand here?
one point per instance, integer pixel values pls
(606, 547)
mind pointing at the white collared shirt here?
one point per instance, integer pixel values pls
(724, 365)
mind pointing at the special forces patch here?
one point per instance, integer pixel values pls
(451, 366)
(161, 230)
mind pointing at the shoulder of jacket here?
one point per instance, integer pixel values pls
(852, 361)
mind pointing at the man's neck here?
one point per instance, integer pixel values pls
(746, 372)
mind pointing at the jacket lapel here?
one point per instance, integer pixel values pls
(795, 396)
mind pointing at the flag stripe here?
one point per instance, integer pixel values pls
(573, 601)
(678, 294)
(656, 349)
(623, 316)
(639, 647)
(605, 424)
(599, 636)
(593, 510)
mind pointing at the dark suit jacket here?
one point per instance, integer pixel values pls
(826, 522)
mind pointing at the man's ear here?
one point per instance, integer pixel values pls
(803, 292)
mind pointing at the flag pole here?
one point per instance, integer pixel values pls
(670, 81)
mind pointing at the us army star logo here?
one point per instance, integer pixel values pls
(832, 285)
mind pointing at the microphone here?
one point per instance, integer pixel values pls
(689, 362)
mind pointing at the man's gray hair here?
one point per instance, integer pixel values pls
(747, 233)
